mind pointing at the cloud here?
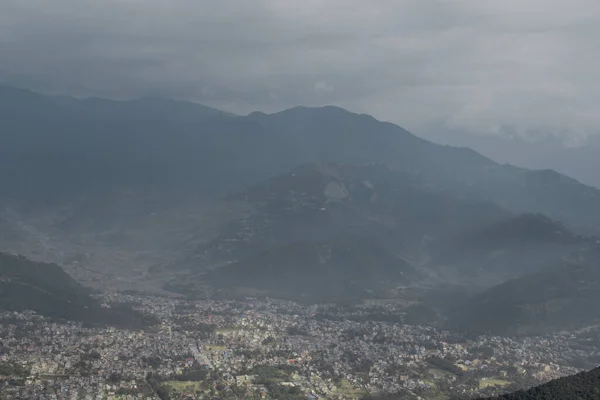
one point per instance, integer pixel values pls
(324, 87)
(468, 64)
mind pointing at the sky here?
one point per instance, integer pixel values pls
(481, 66)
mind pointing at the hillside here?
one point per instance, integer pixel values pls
(118, 187)
(49, 291)
(553, 299)
(97, 150)
(343, 267)
(317, 202)
(513, 247)
(583, 386)
(389, 219)
(580, 161)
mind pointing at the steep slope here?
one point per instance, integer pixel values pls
(332, 134)
(580, 162)
(65, 152)
(317, 202)
(57, 148)
(343, 267)
(507, 249)
(99, 172)
(275, 244)
(48, 290)
(583, 386)
(552, 299)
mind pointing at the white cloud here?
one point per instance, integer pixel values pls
(323, 87)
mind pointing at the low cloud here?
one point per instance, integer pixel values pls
(466, 64)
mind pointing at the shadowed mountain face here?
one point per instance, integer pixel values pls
(93, 151)
(342, 267)
(381, 229)
(321, 196)
(317, 202)
(510, 248)
(554, 298)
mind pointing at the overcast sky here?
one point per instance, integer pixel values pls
(468, 64)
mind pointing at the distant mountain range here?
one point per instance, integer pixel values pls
(58, 148)
(578, 160)
(316, 202)
(305, 202)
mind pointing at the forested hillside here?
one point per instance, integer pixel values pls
(583, 386)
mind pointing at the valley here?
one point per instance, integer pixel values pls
(427, 270)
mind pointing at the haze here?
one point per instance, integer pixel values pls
(475, 66)
(415, 213)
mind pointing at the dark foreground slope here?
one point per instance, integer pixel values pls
(49, 291)
(583, 386)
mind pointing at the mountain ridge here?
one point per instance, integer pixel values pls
(552, 299)
(146, 190)
(167, 152)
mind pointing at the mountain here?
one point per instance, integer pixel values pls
(317, 202)
(554, 298)
(387, 222)
(583, 386)
(391, 224)
(20, 103)
(579, 160)
(59, 153)
(62, 148)
(342, 267)
(513, 247)
(117, 187)
(113, 188)
(49, 291)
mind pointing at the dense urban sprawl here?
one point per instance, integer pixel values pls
(266, 348)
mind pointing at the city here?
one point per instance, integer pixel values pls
(274, 349)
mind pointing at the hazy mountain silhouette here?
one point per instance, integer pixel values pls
(514, 247)
(317, 202)
(555, 298)
(346, 266)
(150, 182)
(56, 151)
(580, 161)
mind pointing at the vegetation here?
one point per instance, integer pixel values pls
(13, 370)
(485, 383)
(556, 298)
(99, 137)
(583, 386)
(347, 266)
(48, 290)
(444, 365)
